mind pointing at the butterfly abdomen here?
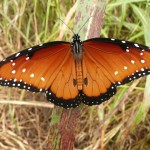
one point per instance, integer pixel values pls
(79, 75)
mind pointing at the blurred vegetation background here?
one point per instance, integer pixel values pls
(122, 123)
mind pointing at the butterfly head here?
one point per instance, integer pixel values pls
(76, 37)
(76, 46)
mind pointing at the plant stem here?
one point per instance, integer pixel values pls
(63, 123)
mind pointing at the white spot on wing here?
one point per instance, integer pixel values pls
(24, 70)
(116, 72)
(125, 67)
(132, 61)
(29, 49)
(123, 41)
(27, 58)
(136, 45)
(32, 75)
(13, 64)
(17, 54)
(13, 71)
(142, 61)
(41, 45)
(42, 78)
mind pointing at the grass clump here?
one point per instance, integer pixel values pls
(120, 123)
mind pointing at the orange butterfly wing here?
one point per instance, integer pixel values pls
(107, 63)
(99, 65)
(46, 68)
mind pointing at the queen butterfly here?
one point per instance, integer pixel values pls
(71, 73)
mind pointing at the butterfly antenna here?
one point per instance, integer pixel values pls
(67, 26)
(85, 23)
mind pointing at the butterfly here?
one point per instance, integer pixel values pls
(81, 71)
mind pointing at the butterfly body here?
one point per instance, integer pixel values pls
(71, 73)
(77, 51)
